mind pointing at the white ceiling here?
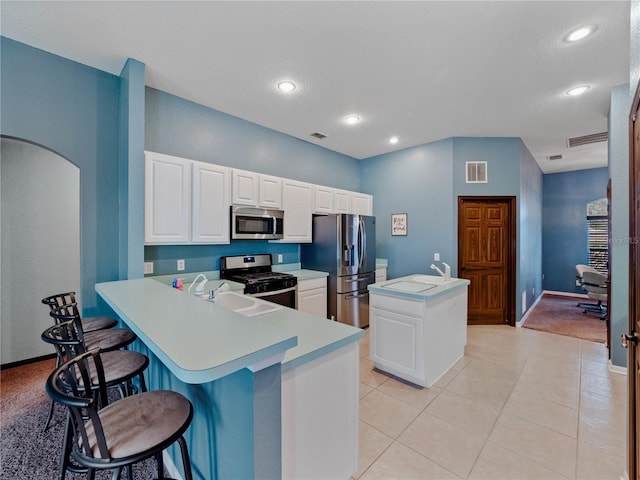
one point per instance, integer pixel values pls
(421, 70)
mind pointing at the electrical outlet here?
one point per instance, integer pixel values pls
(148, 268)
(436, 257)
(180, 265)
(279, 258)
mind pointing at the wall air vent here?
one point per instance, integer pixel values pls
(554, 157)
(477, 172)
(587, 139)
(318, 135)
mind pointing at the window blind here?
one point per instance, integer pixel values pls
(598, 243)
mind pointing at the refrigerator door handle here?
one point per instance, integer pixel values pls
(362, 243)
(351, 297)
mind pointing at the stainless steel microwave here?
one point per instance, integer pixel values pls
(250, 223)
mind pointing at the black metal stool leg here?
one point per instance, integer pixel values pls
(186, 464)
(51, 403)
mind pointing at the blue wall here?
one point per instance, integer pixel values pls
(176, 126)
(416, 181)
(425, 182)
(564, 224)
(530, 228)
(72, 110)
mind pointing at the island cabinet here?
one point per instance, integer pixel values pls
(417, 336)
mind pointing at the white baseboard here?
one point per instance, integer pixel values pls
(616, 369)
(171, 467)
(529, 310)
(566, 294)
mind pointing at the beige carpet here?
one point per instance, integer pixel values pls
(559, 314)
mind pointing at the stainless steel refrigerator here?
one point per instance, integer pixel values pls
(344, 245)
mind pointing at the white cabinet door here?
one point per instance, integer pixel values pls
(167, 194)
(245, 187)
(396, 344)
(270, 195)
(342, 201)
(211, 185)
(361, 203)
(323, 199)
(312, 296)
(297, 203)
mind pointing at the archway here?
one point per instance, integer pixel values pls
(39, 242)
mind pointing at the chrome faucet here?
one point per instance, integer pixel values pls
(447, 271)
(223, 287)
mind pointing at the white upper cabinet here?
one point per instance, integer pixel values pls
(342, 201)
(245, 187)
(185, 201)
(256, 190)
(323, 199)
(297, 203)
(211, 187)
(270, 192)
(361, 203)
(167, 196)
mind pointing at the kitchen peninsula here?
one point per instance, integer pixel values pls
(275, 395)
(418, 326)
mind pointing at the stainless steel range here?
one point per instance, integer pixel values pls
(255, 272)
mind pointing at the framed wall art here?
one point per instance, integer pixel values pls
(398, 224)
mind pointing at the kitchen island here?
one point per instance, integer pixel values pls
(260, 385)
(418, 326)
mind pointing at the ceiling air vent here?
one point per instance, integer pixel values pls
(587, 139)
(554, 157)
(318, 135)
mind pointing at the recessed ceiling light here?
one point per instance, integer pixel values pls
(286, 86)
(351, 119)
(575, 91)
(579, 34)
(393, 140)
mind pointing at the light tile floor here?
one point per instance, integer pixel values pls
(520, 404)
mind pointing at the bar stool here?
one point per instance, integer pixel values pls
(107, 339)
(120, 368)
(127, 431)
(68, 299)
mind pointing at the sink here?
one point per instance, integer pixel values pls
(245, 305)
(432, 279)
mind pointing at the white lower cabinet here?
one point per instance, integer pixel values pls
(320, 417)
(312, 296)
(381, 274)
(417, 340)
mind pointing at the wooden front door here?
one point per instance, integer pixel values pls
(486, 236)
(630, 340)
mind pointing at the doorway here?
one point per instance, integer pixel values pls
(39, 243)
(486, 257)
(631, 340)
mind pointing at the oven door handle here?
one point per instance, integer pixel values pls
(275, 292)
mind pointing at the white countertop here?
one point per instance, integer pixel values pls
(201, 342)
(410, 288)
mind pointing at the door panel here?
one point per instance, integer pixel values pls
(485, 233)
